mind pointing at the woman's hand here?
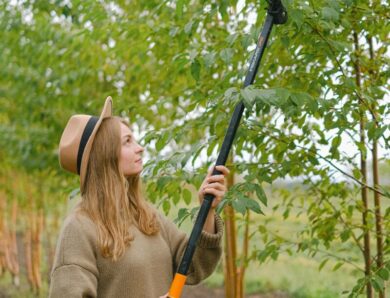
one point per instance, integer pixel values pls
(215, 185)
(164, 296)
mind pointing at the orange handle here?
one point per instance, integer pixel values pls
(177, 285)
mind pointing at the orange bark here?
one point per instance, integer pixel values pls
(13, 248)
(230, 243)
(27, 249)
(241, 270)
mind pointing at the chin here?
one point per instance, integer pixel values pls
(133, 173)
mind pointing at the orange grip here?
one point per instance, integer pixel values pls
(177, 285)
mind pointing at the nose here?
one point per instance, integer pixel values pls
(140, 148)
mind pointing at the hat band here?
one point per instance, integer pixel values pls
(84, 139)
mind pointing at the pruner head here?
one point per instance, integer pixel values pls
(277, 10)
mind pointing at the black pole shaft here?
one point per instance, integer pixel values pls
(226, 145)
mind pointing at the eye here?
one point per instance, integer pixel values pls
(127, 140)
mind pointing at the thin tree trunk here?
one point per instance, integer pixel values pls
(241, 270)
(7, 242)
(363, 169)
(36, 251)
(377, 197)
(49, 247)
(3, 240)
(14, 264)
(230, 242)
(27, 249)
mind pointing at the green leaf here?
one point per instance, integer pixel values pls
(261, 194)
(253, 205)
(162, 141)
(229, 92)
(162, 182)
(377, 283)
(322, 264)
(298, 99)
(329, 13)
(181, 216)
(222, 205)
(231, 38)
(239, 206)
(379, 131)
(356, 173)
(209, 59)
(337, 266)
(179, 8)
(175, 197)
(281, 94)
(246, 41)
(350, 83)
(344, 235)
(336, 142)
(198, 149)
(184, 158)
(262, 229)
(384, 273)
(166, 206)
(370, 126)
(297, 16)
(187, 196)
(313, 159)
(226, 55)
(249, 96)
(195, 69)
(285, 41)
(286, 213)
(223, 5)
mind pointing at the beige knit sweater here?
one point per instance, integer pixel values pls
(145, 270)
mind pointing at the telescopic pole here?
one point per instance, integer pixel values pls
(276, 14)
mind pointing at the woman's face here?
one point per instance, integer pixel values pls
(131, 153)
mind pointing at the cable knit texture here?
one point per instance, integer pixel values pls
(145, 270)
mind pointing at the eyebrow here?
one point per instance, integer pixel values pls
(127, 135)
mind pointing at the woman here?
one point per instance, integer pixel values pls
(114, 243)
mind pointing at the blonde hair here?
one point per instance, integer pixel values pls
(111, 200)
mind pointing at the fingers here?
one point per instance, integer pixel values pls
(218, 186)
(216, 178)
(225, 171)
(215, 185)
(216, 192)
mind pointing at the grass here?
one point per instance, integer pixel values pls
(23, 291)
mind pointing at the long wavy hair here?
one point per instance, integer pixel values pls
(111, 200)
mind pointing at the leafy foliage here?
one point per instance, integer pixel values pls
(176, 68)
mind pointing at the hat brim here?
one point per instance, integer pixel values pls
(106, 112)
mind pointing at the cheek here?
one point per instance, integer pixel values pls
(125, 155)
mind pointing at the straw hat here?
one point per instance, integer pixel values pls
(77, 138)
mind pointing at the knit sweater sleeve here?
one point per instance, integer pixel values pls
(207, 253)
(74, 272)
